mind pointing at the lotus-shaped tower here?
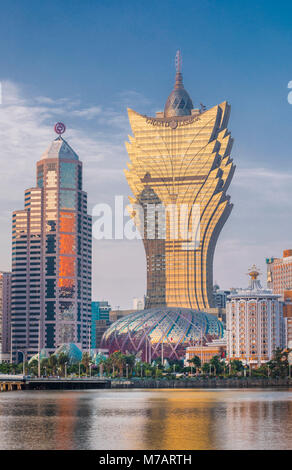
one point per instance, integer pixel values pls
(181, 158)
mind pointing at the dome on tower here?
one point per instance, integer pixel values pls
(179, 102)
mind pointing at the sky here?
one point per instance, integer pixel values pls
(85, 62)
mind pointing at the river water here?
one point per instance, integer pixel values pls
(146, 419)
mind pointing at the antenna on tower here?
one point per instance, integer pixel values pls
(178, 61)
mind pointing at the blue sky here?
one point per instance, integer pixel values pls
(84, 62)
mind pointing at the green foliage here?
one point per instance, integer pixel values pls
(86, 361)
(52, 364)
(195, 361)
(217, 365)
(236, 366)
(279, 365)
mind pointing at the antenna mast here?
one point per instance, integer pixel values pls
(178, 62)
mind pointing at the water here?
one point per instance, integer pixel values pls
(146, 419)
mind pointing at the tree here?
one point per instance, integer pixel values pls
(217, 365)
(62, 360)
(5, 368)
(206, 368)
(279, 365)
(44, 365)
(130, 360)
(33, 366)
(107, 365)
(236, 366)
(195, 361)
(118, 361)
(52, 363)
(86, 360)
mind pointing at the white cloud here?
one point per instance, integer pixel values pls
(88, 113)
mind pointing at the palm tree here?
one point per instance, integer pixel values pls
(130, 360)
(236, 366)
(44, 364)
(107, 365)
(33, 366)
(279, 365)
(52, 363)
(63, 359)
(86, 360)
(118, 361)
(196, 362)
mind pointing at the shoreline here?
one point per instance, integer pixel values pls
(123, 383)
(246, 382)
(10, 384)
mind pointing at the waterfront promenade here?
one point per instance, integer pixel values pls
(9, 383)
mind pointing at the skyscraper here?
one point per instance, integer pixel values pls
(5, 314)
(100, 310)
(180, 158)
(279, 273)
(51, 257)
(279, 279)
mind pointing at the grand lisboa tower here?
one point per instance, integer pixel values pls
(178, 159)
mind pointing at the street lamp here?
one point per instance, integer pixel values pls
(79, 369)
(127, 370)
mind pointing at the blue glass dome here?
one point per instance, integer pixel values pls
(74, 353)
(143, 333)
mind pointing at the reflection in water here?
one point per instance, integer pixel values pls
(146, 419)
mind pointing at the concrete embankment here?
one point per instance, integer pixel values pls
(240, 382)
(107, 383)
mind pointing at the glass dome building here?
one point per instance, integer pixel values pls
(147, 332)
(71, 350)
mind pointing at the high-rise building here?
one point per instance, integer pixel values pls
(180, 159)
(279, 280)
(220, 297)
(51, 257)
(254, 323)
(100, 312)
(5, 314)
(279, 273)
(100, 328)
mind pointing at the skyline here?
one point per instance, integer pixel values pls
(93, 108)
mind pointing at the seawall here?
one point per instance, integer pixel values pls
(243, 382)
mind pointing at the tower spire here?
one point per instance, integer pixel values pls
(178, 67)
(179, 102)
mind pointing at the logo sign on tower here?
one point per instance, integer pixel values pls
(60, 128)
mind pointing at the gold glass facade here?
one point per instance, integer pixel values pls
(181, 160)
